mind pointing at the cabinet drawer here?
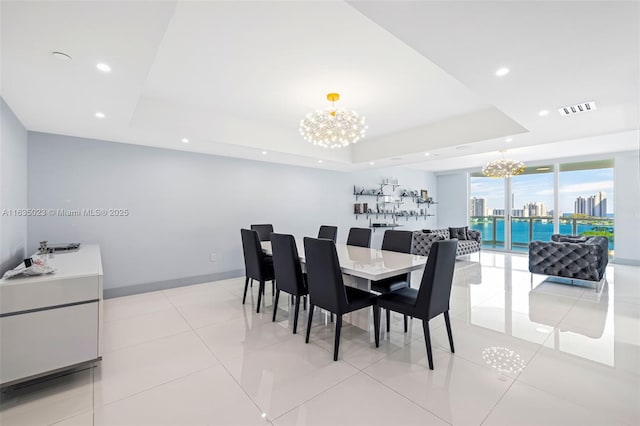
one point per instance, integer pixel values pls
(38, 342)
(21, 294)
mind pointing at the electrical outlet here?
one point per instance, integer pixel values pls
(213, 257)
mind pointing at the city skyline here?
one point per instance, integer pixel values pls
(539, 188)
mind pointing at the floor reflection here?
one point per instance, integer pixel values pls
(496, 292)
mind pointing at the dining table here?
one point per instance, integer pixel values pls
(361, 265)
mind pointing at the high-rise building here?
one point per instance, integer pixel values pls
(478, 206)
(580, 206)
(595, 205)
(534, 209)
(598, 205)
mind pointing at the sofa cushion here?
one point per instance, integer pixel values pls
(462, 233)
(423, 241)
(572, 239)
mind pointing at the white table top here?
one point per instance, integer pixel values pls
(367, 263)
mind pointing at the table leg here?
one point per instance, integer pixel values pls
(361, 318)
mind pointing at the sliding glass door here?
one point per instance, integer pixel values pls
(486, 210)
(568, 198)
(532, 207)
(586, 199)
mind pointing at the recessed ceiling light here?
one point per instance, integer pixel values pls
(320, 161)
(426, 154)
(103, 67)
(99, 114)
(543, 330)
(543, 169)
(61, 56)
(543, 113)
(371, 163)
(501, 72)
(264, 152)
(185, 140)
(508, 140)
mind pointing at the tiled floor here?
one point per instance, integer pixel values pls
(527, 353)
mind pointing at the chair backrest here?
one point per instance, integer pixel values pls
(264, 231)
(435, 288)
(324, 277)
(253, 254)
(328, 232)
(399, 241)
(286, 264)
(360, 237)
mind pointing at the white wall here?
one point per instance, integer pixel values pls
(184, 206)
(627, 208)
(13, 188)
(453, 200)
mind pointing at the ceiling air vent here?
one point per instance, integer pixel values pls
(577, 108)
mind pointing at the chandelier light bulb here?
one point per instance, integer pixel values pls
(332, 127)
(503, 168)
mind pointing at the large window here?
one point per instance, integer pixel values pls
(581, 203)
(586, 199)
(486, 210)
(532, 207)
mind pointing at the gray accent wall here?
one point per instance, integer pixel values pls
(182, 206)
(13, 188)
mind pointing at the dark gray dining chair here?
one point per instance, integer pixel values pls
(432, 298)
(264, 230)
(328, 232)
(327, 289)
(288, 272)
(398, 241)
(258, 265)
(360, 237)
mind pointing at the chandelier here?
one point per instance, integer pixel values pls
(331, 127)
(503, 168)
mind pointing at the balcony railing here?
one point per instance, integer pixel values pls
(527, 229)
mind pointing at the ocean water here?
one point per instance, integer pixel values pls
(542, 231)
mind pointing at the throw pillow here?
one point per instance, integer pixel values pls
(459, 233)
(572, 239)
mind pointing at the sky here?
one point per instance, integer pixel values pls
(539, 187)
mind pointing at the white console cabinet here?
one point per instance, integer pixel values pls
(52, 322)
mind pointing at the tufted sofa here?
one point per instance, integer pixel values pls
(422, 241)
(568, 256)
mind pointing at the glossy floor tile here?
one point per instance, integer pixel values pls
(515, 409)
(359, 400)
(528, 352)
